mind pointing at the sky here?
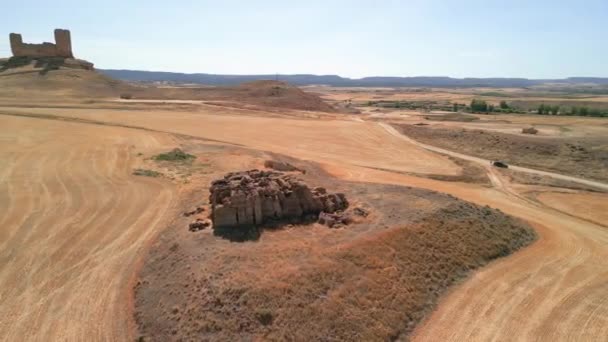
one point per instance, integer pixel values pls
(465, 38)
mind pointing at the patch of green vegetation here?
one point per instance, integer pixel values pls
(480, 106)
(495, 94)
(146, 173)
(176, 155)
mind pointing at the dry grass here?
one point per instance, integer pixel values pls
(371, 287)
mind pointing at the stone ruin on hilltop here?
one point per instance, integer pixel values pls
(61, 48)
(58, 53)
(253, 198)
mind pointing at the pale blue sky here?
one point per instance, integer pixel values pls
(467, 38)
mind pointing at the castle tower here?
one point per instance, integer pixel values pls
(63, 43)
(16, 43)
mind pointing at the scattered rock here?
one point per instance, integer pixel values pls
(198, 210)
(334, 220)
(252, 198)
(199, 224)
(360, 212)
(530, 130)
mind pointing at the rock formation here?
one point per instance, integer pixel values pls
(255, 197)
(61, 48)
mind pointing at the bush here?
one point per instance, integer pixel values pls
(174, 155)
(265, 317)
(126, 96)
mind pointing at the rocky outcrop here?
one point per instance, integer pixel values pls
(255, 197)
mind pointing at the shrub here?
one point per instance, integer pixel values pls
(126, 96)
(264, 317)
(175, 155)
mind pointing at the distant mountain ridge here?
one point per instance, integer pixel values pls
(338, 81)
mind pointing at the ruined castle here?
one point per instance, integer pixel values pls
(61, 48)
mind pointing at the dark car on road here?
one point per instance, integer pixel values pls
(501, 164)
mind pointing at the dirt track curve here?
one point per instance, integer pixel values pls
(556, 289)
(561, 290)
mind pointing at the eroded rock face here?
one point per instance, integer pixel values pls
(255, 197)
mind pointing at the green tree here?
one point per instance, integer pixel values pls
(479, 106)
(573, 111)
(595, 112)
(584, 111)
(555, 110)
(455, 107)
(541, 109)
(504, 104)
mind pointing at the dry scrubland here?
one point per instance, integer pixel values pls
(374, 280)
(587, 157)
(82, 231)
(522, 98)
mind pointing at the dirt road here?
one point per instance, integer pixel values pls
(486, 162)
(73, 222)
(555, 290)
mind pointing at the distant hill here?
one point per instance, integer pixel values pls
(337, 81)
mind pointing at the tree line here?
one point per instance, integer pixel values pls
(481, 106)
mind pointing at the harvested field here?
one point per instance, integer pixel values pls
(71, 162)
(587, 158)
(73, 224)
(588, 206)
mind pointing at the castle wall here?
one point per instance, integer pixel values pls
(62, 47)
